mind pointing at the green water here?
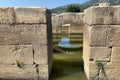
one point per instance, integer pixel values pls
(68, 62)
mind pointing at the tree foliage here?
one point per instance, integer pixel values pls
(73, 8)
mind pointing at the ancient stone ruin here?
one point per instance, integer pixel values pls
(102, 43)
(25, 43)
(74, 20)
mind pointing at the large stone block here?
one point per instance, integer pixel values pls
(33, 34)
(102, 15)
(7, 15)
(43, 72)
(23, 34)
(98, 35)
(113, 33)
(93, 72)
(112, 71)
(115, 57)
(9, 54)
(31, 15)
(12, 72)
(100, 53)
(40, 54)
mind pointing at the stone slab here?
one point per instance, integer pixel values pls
(30, 15)
(102, 15)
(12, 72)
(9, 54)
(7, 15)
(115, 57)
(98, 35)
(113, 33)
(100, 53)
(23, 34)
(40, 54)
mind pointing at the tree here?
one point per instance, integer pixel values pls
(73, 8)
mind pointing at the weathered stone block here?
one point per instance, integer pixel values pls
(40, 54)
(30, 15)
(100, 53)
(12, 72)
(102, 15)
(115, 57)
(9, 54)
(112, 71)
(10, 34)
(98, 35)
(93, 72)
(113, 33)
(24, 54)
(34, 34)
(23, 34)
(7, 15)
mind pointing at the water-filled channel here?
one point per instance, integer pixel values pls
(68, 62)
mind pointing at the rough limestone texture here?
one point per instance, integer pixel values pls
(102, 43)
(75, 19)
(25, 43)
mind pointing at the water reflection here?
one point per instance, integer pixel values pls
(65, 42)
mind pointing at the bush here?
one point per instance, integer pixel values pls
(73, 8)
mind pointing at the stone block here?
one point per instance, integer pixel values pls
(24, 54)
(100, 53)
(112, 71)
(93, 72)
(33, 34)
(115, 56)
(7, 15)
(113, 33)
(30, 15)
(98, 35)
(78, 18)
(102, 15)
(12, 72)
(9, 54)
(40, 54)
(43, 72)
(23, 34)
(9, 35)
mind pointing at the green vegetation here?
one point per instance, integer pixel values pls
(18, 63)
(83, 6)
(73, 8)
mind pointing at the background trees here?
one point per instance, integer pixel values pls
(73, 8)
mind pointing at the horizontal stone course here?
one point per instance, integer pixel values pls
(9, 54)
(12, 15)
(28, 72)
(102, 15)
(23, 34)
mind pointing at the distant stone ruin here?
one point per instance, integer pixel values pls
(25, 43)
(74, 19)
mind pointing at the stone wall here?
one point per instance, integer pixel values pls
(102, 43)
(74, 19)
(25, 43)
